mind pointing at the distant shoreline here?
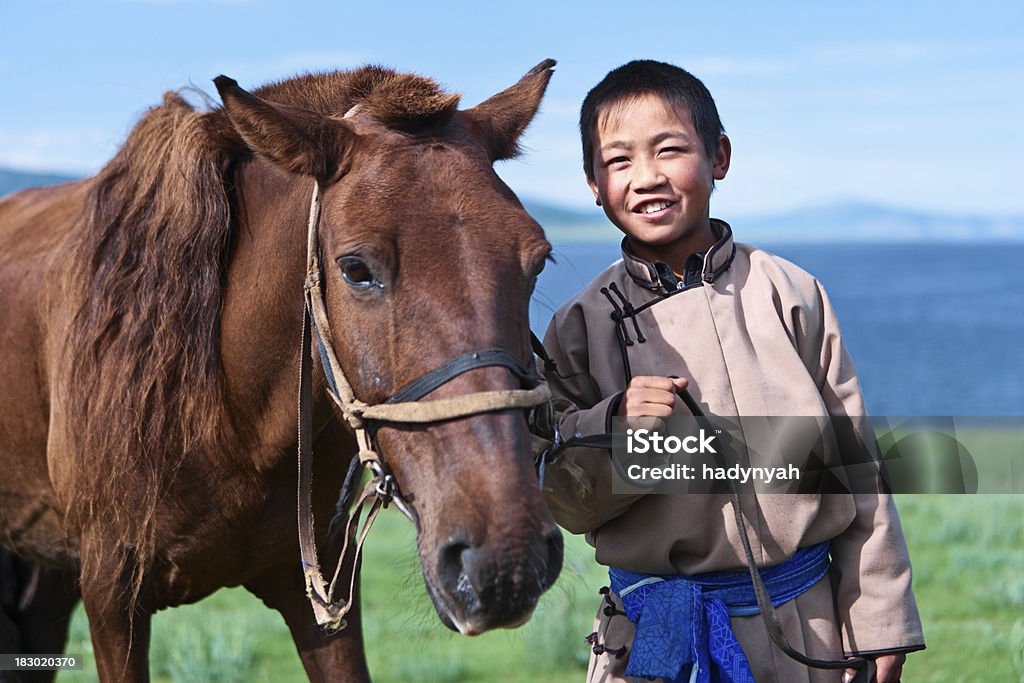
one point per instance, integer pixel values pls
(841, 222)
(607, 235)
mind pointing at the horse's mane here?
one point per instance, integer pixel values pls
(148, 264)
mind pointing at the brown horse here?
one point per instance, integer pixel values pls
(151, 319)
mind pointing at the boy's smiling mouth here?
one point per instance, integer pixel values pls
(653, 208)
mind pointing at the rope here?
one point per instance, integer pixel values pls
(461, 406)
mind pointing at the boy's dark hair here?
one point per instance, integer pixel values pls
(680, 89)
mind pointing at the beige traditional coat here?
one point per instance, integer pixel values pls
(756, 336)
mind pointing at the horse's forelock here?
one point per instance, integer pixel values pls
(402, 101)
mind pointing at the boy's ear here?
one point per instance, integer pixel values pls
(720, 164)
(593, 188)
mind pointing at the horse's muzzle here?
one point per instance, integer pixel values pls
(494, 585)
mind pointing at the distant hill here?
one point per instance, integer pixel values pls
(864, 222)
(836, 222)
(12, 180)
(547, 214)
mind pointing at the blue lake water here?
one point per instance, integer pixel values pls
(934, 329)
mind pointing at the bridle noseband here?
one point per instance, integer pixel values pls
(402, 407)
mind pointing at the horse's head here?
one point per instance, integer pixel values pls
(428, 255)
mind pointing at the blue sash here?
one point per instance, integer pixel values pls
(682, 621)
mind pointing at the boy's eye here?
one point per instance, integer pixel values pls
(671, 150)
(616, 160)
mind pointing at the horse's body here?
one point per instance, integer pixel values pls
(151, 319)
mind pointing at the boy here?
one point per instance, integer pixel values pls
(747, 334)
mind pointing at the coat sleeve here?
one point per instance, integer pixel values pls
(870, 563)
(578, 485)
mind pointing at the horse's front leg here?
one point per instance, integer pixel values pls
(35, 609)
(119, 626)
(334, 657)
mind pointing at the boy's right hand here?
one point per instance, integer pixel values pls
(651, 396)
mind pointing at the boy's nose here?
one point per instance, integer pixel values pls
(647, 175)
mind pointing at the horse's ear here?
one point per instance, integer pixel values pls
(501, 119)
(296, 139)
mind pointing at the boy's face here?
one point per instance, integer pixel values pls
(654, 179)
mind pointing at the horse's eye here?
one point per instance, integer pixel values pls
(356, 273)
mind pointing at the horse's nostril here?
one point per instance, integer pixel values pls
(449, 561)
(455, 563)
(499, 584)
(470, 572)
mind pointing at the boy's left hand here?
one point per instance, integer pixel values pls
(889, 668)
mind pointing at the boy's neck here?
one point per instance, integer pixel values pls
(676, 253)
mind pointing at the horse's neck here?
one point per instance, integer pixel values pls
(261, 321)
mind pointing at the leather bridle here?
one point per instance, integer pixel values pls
(402, 407)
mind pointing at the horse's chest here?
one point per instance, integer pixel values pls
(31, 526)
(226, 539)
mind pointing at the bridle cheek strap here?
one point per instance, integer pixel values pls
(404, 407)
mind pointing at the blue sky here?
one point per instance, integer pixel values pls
(915, 104)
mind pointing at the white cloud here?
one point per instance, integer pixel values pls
(316, 60)
(961, 53)
(874, 52)
(181, 2)
(78, 150)
(561, 109)
(251, 73)
(707, 67)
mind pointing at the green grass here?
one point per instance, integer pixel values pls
(231, 636)
(968, 554)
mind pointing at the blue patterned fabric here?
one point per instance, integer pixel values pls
(682, 621)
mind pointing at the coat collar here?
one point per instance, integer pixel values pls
(716, 261)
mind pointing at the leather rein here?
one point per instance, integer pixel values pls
(402, 407)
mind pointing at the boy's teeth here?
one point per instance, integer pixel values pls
(655, 206)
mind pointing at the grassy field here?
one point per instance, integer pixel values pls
(968, 554)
